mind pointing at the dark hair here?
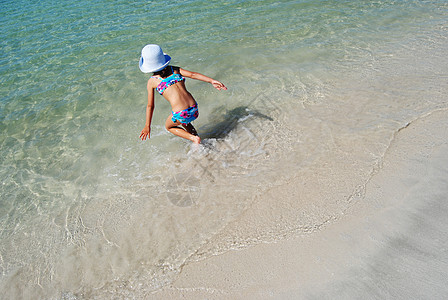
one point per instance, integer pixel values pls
(167, 71)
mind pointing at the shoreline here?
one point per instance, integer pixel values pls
(275, 205)
(388, 244)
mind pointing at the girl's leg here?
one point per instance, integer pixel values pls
(183, 133)
(190, 128)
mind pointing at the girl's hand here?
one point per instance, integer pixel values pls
(145, 133)
(219, 85)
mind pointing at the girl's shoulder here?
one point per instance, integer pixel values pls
(153, 81)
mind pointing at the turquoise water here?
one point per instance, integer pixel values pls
(77, 182)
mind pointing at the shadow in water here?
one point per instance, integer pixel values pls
(229, 122)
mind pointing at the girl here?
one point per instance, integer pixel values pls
(169, 81)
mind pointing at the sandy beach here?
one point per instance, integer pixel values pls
(388, 245)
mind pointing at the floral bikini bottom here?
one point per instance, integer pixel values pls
(186, 116)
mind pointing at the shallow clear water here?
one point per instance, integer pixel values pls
(317, 89)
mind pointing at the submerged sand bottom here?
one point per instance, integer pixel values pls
(391, 244)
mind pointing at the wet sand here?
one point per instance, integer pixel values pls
(391, 243)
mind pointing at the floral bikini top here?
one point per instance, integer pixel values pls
(166, 82)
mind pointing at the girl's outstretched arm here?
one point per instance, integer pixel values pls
(149, 111)
(198, 76)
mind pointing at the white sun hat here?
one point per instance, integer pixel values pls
(153, 59)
